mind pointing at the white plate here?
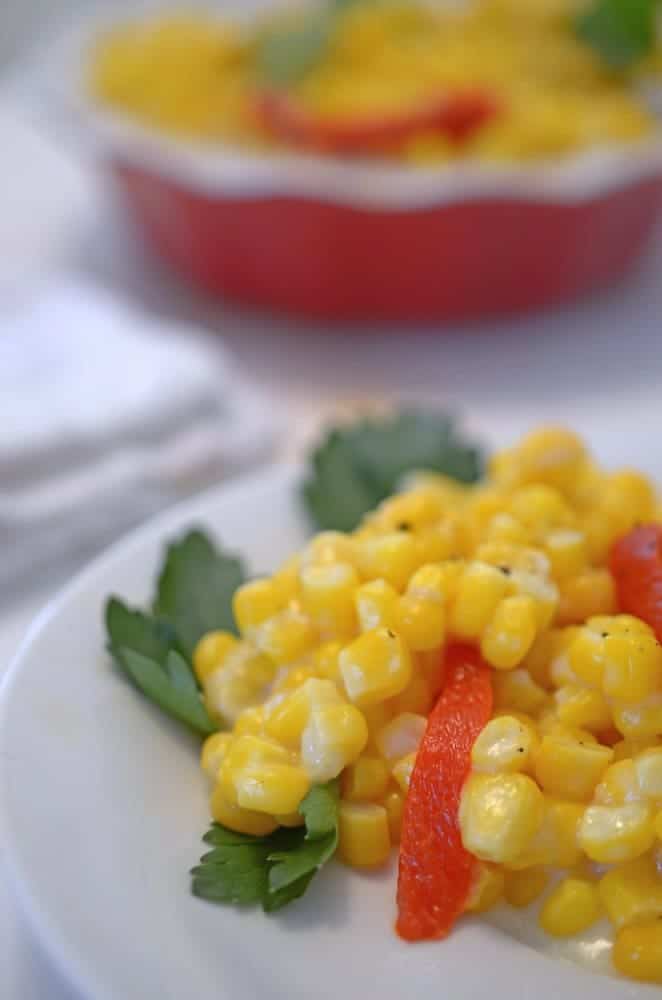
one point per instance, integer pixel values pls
(104, 805)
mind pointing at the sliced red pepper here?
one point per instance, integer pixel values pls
(456, 115)
(436, 871)
(636, 565)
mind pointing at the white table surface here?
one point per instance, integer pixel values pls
(597, 365)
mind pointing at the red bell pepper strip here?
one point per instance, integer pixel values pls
(436, 871)
(456, 115)
(636, 565)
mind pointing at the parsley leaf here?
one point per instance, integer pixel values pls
(273, 870)
(195, 589)
(173, 689)
(622, 31)
(358, 466)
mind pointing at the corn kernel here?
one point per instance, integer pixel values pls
(271, 788)
(567, 553)
(505, 745)
(570, 767)
(330, 547)
(286, 636)
(632, 892)
(291, 820)
(253, 603)
(610, 834)
(376, 603)
(416, 697)
(242, 681)
(550, 455)
(480, 590)
(541, 509)
(327, 596)
(573, 907)
(366, 780)
(499, 815)
(210, 653)
(639, 719)
(581, 706)
(638, 952)
(401, 736)
(409, 511)
(421, 622)
(334, 737)
(549, 645)
(394, 805)
(402, 771)
(516, 690)
(392, 556)
(555, 843)
(633, 746)
(250, 721)
(619, 785)
(503, 527)
(511, 632)
(649, 772)
(632, 667)
(213, 751)
(287, 716)
(523, 887)
(376, 666)
(363, 834)
(591, 592)
(325, 662)
(486, 888)
(286, 580)
(227, 813)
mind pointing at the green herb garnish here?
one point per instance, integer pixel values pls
(358, 466)
(275, 870)
(621, 31)
(194, 596)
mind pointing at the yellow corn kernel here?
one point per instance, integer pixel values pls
(619, 785)
(658, 825)
(401, 736)
(584, 707)
(421, 621)
(286, 716)
(249, 750)
(376, 717)
(638, 952)
(499, 815)
(286, 580)
(632, 892)
(611, 834)
(325, 662)
(335, 736)
(510, 634)
(376, 604)
(392, 556)
(572, 907)
(541, 509)
(628, 498)
(585, 655)
(505, 745)
(250, 721)
(253, 603)
(366, 780)
(242, 681)
(291, 820)
(271, 788)
(429, 583)
(503, 527)
(550, 455)
(227, 813)
(560, 668)
(538, 661)
(555, 843)
(639, 719)
(480, 590)
(590, 592)
(416, 697)
(327, 597)
(516, 690)
(394, 805)
(330, 547)
(568, 766)
(286, 637)
(409, 511)
(376, 666)
(525, 886)
(213, 751)
(363, 834)
(402, 771)
(632, 667)
(633, 746)
(567, 553)
(648, 767)
(486, 888)
(210, 653)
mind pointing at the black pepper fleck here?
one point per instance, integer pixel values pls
(506, 570)
(391, 634)
(404, 526)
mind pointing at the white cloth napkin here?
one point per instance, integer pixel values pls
(105, 417)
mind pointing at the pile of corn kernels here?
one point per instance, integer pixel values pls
(338, 666)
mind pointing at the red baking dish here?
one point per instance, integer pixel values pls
(345, 240)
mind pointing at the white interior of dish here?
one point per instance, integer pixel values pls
(233, 172)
